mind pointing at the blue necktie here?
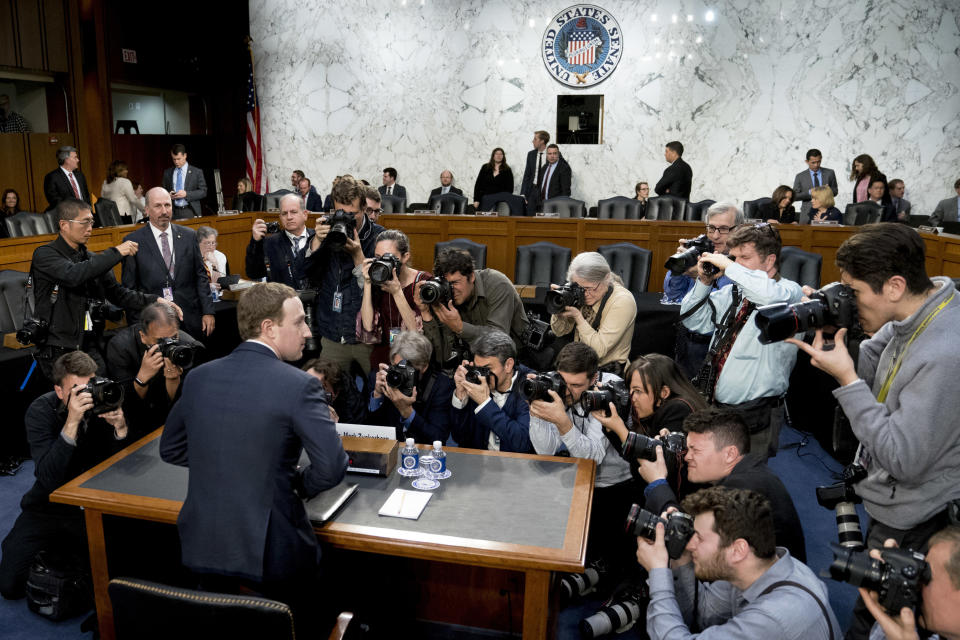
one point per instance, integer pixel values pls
(179, 187)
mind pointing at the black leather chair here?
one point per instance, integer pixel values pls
(107, 213)
(250, 201)
(918, 220)
(475, 249)
(862, 213)
(565, 207)
(505, 204)
(665, 208)
(750, 207)
(695, 211)
(448, 203)
(11, 299)
(801, 266)
(272, 199)
(618, 208)
(630, 262)
(53, 219)
(28, 224)
(541, 263)
(393, 204)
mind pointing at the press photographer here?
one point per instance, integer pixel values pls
(739, 585)
(70, 430)
(281, 256)
(347, 403)
(490, 412)
(419, 395)
(893, 397)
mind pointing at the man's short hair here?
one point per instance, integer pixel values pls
(956, 185)
(294, 197)
(370, 193)
(347, 191)
(722, 207)
(764, 237)
(578, 357)
(553, 146)
(390, 171)
(71, 208)
(331, 371)
(676, 146)
(951, 536)
(158, 313)
(880, 251)
(73, 363)
(307, 180)
(262, 301)
(300, 174)
(63, 153)
(876, 180)
(412, 346)
(725, 425)
(178, 149)
(896, 182)
(495, 344)
(814, 153)
(824, 195)
(543, 135)
(453, 261)
(737, 513)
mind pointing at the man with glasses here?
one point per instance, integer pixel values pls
(281, 257)
(69, 282)
(739, 372)
(372, 208)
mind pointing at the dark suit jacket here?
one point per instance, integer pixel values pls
(147, 272)
(57, 188)
(432, 414)
(241, 436)
(530, 172)
(398, 190)
(802, 184)
(676, 180)
(193, 183)
(873, 178)
(560, 179)
(511, 423)
(314, 202)
(946, 210)
(454, 190)
(278, 249)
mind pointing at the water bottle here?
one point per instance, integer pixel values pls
(440, 456)
(214, 292)
(410, 460)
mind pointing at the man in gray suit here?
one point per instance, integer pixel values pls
(948, 210)
(900, 206)
(185, 184)
(814, 176)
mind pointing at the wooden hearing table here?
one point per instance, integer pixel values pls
(500, 511)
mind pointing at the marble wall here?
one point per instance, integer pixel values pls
(424, 85)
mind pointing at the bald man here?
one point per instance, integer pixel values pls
(280, 257)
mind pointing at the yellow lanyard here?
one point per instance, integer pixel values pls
(885, 389)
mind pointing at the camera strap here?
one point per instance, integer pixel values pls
(30, 303)
(790, 583)
(595, 323)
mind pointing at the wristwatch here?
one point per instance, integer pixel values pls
(139, 382)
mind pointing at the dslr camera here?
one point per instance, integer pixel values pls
(539, 387)
(342, 225)
(679, 262)
(537, 333)
(569, 294)
(677, 528)
(638, 445)
(614, 391)
(273, 227)
(383, 268)
(842, 499)
(898, 578)
(476, 374)
(33, 332)
(403, 376)
(179, 354)
(107, 395)
(435, 291)
(101, 311)
(830, 306)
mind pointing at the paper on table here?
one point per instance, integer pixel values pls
(405, 504)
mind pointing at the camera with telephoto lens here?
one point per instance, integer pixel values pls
(898, 578)
(644, 447)
(403, 376)
(107, 395)
(570, 294)
(308, 298)
(619, 613)
(599, 399)
(842, 499)
(573, 585)
(476, 374)
(342, 225)
(383, 268)
(177, 353)
(540, 386)
(101, 311)
(680, 262)
(33, 332)
(677, 528)
(829, 306)
(436, 291)
(273, 227)
(537, 333)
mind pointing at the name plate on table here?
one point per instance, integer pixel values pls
(826, 223)
(487, 213)
(228, 212)
(422, 212)
(924, 228)
(375, 456)
(547, 214)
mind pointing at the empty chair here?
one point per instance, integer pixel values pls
(630, 262)
(666, 208)
(696, 210)
(11, 299)
(862, 213)
(565, 207)
(475, 249)
(447, 203)
(918, 220)
(618, 208)
(272, 199)
(541, 263)
(107, 213)
(53, 219)
(504, 203)
(801, 266)
(28, 224)
(394, 204)
(751, 207)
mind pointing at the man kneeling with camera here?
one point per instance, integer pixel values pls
(739, 584)
(419, 395)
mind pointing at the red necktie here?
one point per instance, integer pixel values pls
(73, 183)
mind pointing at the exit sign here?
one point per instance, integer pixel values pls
(130, 55)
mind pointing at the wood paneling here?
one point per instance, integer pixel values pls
(55, 32)
(8, 34)
(13, 167)
(43, 159)
(30, 34)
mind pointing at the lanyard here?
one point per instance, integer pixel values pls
(888, 381)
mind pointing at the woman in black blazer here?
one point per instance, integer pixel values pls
(821, 206)
(494, 177)
(780, 208)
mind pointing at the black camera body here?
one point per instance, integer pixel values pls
(599, 399)
(342, 226)
(436, 291)
(539, 387)
(107, 395)
(570, 294)
(476, 374)
(403, 376)
(644, 447)
(677, 528)
(679, 262)
(537, 333)
(101, 311)
(33, 332)
(898, 578)
(829, 306)
(177, 353)
(843, 500)
(383, 268)
(273, 227)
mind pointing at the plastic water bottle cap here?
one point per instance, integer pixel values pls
(410, 442)
(437, 444)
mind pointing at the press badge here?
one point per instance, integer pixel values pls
(168, 294)
(337, 302)
(394, 332)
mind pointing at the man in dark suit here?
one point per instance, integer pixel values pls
(446, 185)
(281, 257)
(555, 176)
(901, 206)
(814, 176)
(185, 184)
(311, 201)
(67, 181)
(678, 177)
(875, 193)
(531, 172)
(390, 186)
(243, 523)
(947, 210)
(169, 264)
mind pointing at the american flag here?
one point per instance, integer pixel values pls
(581, 48)
(256, 168)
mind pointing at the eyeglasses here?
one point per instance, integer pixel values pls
(721, 230)
(593, 288)
(84, 223)
(368, 211)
